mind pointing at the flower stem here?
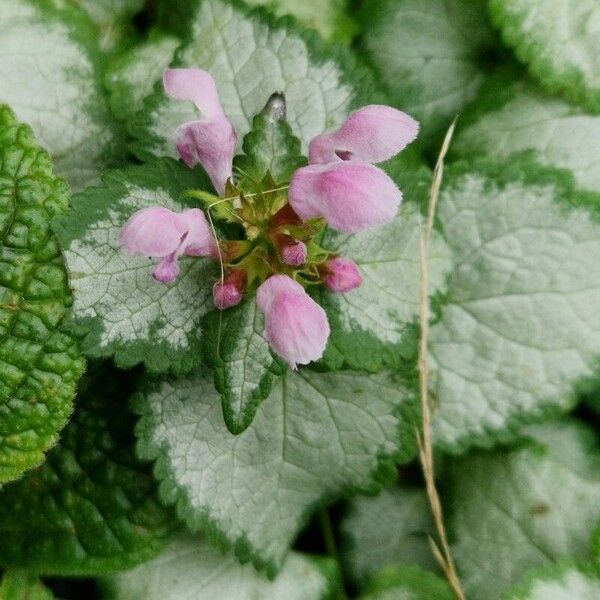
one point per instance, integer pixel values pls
(440, 550)
(327, 532)
(331, 547)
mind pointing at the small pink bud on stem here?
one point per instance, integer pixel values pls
(292, 251)
(230, 291)
(341, 275)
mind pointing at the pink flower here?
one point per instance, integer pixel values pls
(161, 233)
(340, 184)
(211, 140)
(342, 275)
(372, 134)
(350, 196)
(296, 326)
(230, 291)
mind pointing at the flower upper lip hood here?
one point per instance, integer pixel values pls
(340, 184)
(296, 326)
(351, 196)
(372, 134)
(210, 140)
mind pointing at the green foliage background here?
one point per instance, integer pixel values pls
(177, 465)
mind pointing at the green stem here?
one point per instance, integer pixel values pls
(327, 531)
(331, 547)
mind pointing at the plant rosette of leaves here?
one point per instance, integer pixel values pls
(276, 228)
(297, 236)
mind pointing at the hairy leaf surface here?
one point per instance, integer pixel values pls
(518, 328)
(316, 437)
(119, 309)
(91, 507)
(39, 363)
(559, 40)
(518, 509)
(50, 77)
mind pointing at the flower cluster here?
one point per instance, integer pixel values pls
(278, 256)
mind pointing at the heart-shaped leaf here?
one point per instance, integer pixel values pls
(40, 364)
(316, 436)
(50, 76)
(524, 508)
(91, 507)
(518, 329)
(119, 309)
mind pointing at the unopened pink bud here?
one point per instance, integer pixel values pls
(342, 275)
(230, 291)
(294, 254)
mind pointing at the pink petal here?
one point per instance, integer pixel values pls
(272, 287)
(210, 142)
(199, 240)
(296, 326)
(154, 231)
(166, 270)
(194, 85)
(342, 275)
(372, 134)
(350, 196)
(162, 233)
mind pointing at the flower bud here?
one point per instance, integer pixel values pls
(293, 252)
(230, 291)
(341, 275)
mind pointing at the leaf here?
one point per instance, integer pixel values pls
(429, 56)
(329, 17)
(317, 436)
(250, 57)
(244, 368)
(566, 581)
(21, 585)
(39, 364)
(91, 507)
(373, 325)
(407, 583)
(389, 529)
(596, 544)
(131, 77)
(511, 116)
(517, 509)
(191, 568)
(119, 308)
(518, 329)
(50, 77)
(113, 20)
(559, 42)
(270, 147)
